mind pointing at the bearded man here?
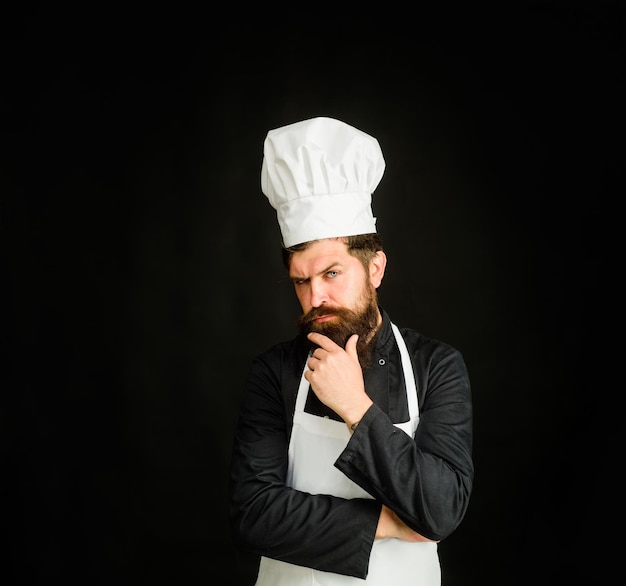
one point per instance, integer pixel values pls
(352, 454)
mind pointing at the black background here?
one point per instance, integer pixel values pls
(141, 266)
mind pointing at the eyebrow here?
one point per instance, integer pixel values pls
(328, 268)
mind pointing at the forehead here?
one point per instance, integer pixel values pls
(320, 255)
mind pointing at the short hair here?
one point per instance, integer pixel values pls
(362, 246)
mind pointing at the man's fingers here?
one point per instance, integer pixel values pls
(323, 341)
(327, 344)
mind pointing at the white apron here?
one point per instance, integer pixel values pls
(316, 443)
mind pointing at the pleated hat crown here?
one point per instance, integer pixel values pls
(319, 175)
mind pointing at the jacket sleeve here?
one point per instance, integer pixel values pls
(425, 480)
(269, 518)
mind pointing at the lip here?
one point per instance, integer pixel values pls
(323, 318)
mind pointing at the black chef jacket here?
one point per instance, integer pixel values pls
(425, 480)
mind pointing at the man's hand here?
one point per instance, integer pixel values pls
(336, 377)
(390, 525)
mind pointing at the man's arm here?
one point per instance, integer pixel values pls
(271, 519)
(425, 480)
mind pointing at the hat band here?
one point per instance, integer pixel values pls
(325, 216)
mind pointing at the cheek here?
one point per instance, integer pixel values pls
(346, 297)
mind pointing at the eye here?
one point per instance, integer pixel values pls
(332, 274)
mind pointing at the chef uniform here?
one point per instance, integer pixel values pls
(316, 443)
(319, 175)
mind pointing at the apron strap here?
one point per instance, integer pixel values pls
(409, 375)
(303, 388)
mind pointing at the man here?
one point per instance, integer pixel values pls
(352, 453)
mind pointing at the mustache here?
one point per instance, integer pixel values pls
(316, 312)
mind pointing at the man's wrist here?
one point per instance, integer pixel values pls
(356, 415)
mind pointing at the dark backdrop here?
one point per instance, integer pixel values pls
(141, 267)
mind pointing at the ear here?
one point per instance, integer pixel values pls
(377, 268)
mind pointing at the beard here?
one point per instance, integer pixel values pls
(363, 322)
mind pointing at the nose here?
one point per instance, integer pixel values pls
(318, 292)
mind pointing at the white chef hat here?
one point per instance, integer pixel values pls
(319, 175)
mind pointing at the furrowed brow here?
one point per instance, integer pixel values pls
(332, 266)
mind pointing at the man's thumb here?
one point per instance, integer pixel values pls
(351, 345)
